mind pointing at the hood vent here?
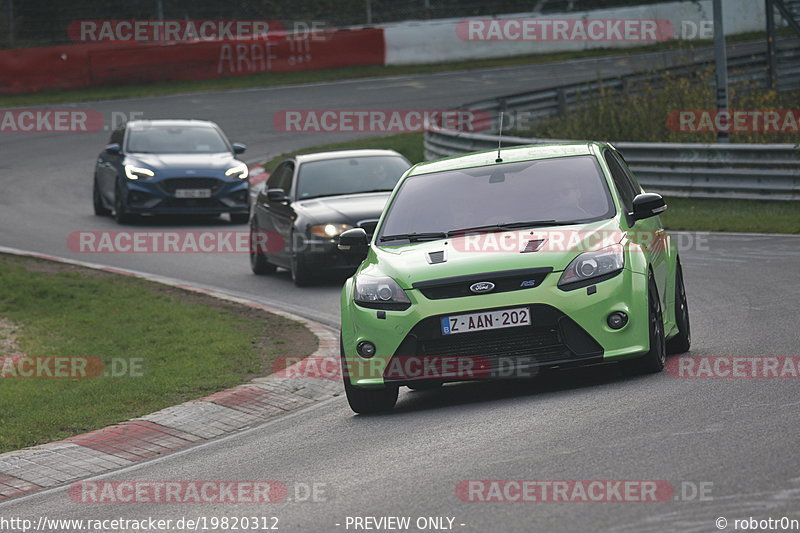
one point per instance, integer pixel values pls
(434, 258)
(532, 246)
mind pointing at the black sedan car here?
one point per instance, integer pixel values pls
(168, 167)
(309, 200)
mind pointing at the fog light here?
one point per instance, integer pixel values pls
(617, 320)
(137, 197)
(365, 349)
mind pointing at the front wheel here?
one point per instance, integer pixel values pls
(681, 342)
(99, 209)
(655, 359)
(367, 401)
(258, 261)
(301, 274)
(120, 214)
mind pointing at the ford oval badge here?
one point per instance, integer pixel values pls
(481, 287)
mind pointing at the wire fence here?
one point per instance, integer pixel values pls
(27, 23)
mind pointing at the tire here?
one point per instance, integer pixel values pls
(120, 215)
(239, 218)
(367, 401)
(681, 342)
(99, 209)
(301, 274)
(655, 359)
(258, 261)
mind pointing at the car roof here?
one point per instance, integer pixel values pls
(342, 154)
(171, 122)
(509, 155)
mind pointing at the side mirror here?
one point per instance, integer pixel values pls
(648, 205)
(354, 241)
(113, 149)
(277, 196)
(239, 148)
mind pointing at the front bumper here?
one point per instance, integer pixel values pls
(568, 328)
(159, 196)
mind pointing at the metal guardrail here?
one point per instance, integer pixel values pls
(750, 171)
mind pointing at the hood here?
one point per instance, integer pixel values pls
(552, 247)
(218, 162)
(350, 208)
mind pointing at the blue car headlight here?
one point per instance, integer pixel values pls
(239, 171)
(593, 267)
(135, 173)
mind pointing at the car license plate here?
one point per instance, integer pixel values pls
(502, 318)
(193, 193)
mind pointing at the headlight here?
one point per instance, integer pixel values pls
(135, 173)
(329, 231)
(240, 171)
(593, 267)
(380, 293)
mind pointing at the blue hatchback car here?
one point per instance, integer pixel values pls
(168, 167)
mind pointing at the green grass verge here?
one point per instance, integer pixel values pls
(187, 345)
(708, 214)
(272, 79)
(696, 214)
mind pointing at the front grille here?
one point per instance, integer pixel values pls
(504, 281)
(171, 185)
(551, 339)
(540, 344)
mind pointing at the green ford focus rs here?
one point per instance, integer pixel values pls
(489, 266)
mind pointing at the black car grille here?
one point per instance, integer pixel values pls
(552, 339)
(171, 185)
(504, 281)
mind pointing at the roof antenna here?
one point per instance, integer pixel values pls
(500, 140)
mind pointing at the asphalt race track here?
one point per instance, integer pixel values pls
(734, 438)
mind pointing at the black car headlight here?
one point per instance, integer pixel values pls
(380, 293)
(593, 267)
(135, 173)
(329, 231)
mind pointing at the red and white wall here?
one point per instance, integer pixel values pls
(111, 63)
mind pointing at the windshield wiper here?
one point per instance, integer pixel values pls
(414, 237)
(513, 225)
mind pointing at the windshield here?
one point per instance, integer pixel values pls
(349, 176)
(544, 192)
(176, 140)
